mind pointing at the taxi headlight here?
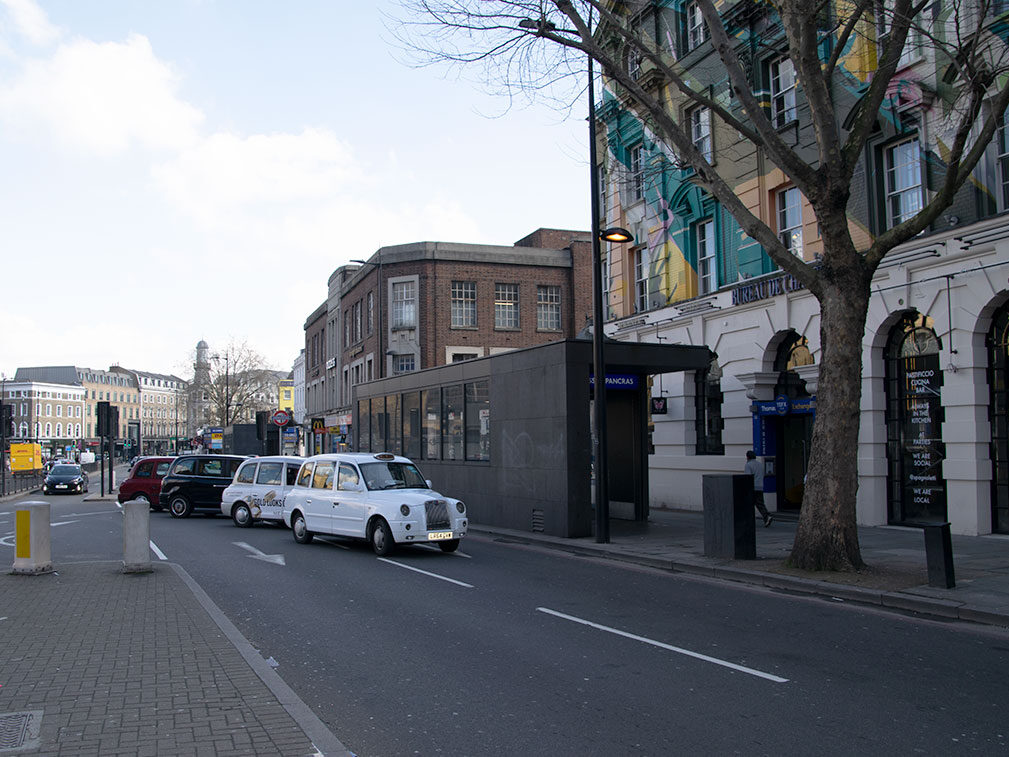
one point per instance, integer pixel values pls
(405, 509)
(460, 507)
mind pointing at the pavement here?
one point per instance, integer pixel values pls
(98, 662)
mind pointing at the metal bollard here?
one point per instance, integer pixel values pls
(939, 555)
(32, 553)
(136, 537)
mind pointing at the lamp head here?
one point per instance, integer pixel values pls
(616, 235)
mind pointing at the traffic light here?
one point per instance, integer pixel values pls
(103, 419)
(262, 419)
(7, 419)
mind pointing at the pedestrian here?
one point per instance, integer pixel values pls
(755, 469)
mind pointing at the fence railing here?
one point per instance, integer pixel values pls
(15, 483)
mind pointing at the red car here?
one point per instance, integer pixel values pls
(144, 482)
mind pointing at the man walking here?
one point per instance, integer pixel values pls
(754, 468)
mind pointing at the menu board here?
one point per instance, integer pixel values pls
(921, 433)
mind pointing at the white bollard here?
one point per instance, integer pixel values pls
(136, 537)
(32, 553)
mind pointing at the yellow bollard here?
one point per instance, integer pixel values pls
(32, 553)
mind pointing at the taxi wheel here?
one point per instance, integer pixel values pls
(450, 545)
(301, 533)
(381, 538)
(241, 514)
(179, 507)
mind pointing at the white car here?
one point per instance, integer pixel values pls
(259, 489)
(382, 498)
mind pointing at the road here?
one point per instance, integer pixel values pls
(503, 648)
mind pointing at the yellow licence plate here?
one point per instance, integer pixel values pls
(437, 535)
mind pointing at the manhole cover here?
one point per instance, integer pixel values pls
(20, 730)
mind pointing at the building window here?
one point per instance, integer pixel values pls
(789, 207)
(903, 182)
(404, 305)
(700, 131)
(782, 92)
(358, 335)
(884, 22)
(346, 329)
(915, 449)
(463, 304)
(403, 363)
(697, 31)
(637, 187)
(371, 312)
(548, 308)
(707, 269)
(506, 306)
(632, 63)
(1002, 141)
(640, 257)
(708, 410)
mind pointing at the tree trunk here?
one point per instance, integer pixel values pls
(827, 538)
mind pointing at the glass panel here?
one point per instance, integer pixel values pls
(477, 421)
(323, 475)
(411, 425)
(246, 473)
(431, 423)
(377, 424)
(452, 422)
(394, 426)
(364, 422)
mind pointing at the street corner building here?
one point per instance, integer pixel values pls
(934, 432)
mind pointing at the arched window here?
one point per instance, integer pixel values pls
(793, 352)
(49, 430)
(23, 430)
(998, 383)
(916, 489)
(59, 430)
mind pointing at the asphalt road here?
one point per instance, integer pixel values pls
(502, 648)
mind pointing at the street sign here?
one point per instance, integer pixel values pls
(281, 417)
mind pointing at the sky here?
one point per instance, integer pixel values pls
(178, 170)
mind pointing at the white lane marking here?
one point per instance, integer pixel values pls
(678, 650)
(63, 523)
(158, 552)
(258, 555)
(432, 575)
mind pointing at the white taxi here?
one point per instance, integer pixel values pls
(259, 488)
(382, 498)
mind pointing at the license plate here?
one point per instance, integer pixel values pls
(438, 535)
(61, 486)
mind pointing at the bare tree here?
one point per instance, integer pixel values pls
(533, 46)
(240, 383)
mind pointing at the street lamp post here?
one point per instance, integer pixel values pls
(616, 236)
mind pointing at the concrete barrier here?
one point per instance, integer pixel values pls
(32, 551)
(136, 537)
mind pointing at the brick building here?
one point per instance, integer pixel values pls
(426, 304)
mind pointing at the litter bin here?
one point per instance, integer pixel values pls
(729, 528)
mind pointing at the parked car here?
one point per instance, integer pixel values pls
(382, 498)
(259, 489)
(143, 482)
(68, 478)
(196, 482)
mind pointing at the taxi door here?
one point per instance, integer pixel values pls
(319, 498)
(349, 503)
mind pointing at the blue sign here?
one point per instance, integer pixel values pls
(619, 381)
(781, 404)
(784, 406)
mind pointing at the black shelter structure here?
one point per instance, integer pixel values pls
(510, 434)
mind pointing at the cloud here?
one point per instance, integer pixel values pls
(226, 174)
(102, 98)
(31, 22)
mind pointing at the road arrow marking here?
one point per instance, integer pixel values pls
(257, 555)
